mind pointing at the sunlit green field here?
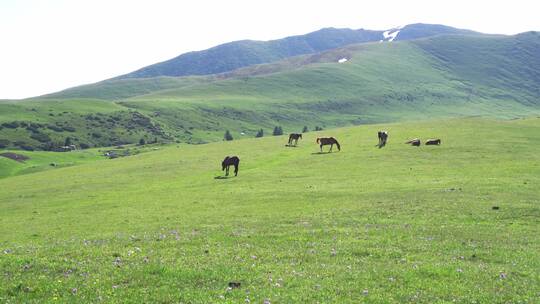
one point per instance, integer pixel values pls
(391, 225)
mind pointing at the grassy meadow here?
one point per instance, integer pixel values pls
(391, 225)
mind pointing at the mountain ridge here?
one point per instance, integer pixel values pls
(236, 54)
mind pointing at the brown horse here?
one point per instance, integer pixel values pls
(295, 137)
(414, 142)
(430, 142)
(383, 136)
(230, 161)
(324, 141)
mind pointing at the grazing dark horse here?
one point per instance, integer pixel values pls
(414, 142)
(383, 136)
(295, 137)
(430, 142)
(228, 161)
(328, 141)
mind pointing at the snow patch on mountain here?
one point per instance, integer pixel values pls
(342, 60)
(391, 34)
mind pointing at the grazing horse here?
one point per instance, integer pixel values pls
(433, 142)
(383, 136)
(295, 137)
(227, 162)
(328, 141)
(414, 142)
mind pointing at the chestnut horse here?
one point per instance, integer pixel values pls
(324, 141)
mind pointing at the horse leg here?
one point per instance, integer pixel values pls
(331, 146)
(235, 170)
(227, 170)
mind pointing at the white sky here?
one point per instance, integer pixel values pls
(46, 46)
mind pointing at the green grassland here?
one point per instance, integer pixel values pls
(391, 225)
(438, 77)
(44, 160)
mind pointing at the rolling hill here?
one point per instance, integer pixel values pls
(434, 77)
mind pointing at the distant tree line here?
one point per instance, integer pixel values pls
(278, 130)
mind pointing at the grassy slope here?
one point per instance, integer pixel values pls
(508, 67)
(122, 88)
(444, 76)
(92, 121)
(397, 224)
(41, 161)
(380, 82)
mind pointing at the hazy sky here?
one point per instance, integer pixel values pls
(46, 46)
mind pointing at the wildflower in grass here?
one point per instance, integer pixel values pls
(266, 301)
(365, 292)
(74, 291)
(503, 275)
(459, 270)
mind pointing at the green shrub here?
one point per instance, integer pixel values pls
(11, 125)
(4, 143)
(41, 137)
(260, 133)
(227, 136)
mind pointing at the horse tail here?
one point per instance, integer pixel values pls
(337, 144)
(318, 140)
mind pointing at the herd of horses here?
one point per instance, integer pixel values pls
(323, 141)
